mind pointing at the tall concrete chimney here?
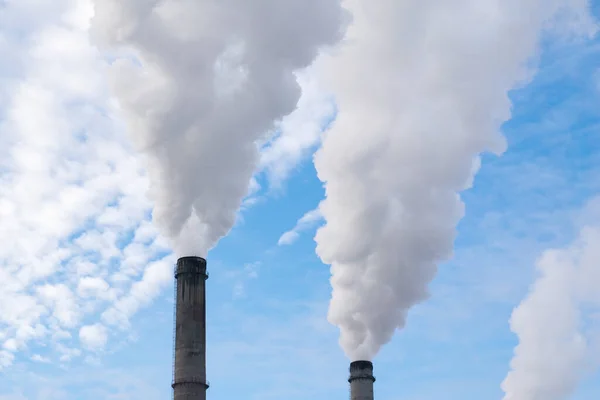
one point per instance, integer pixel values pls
(189, 371)
(361, 380)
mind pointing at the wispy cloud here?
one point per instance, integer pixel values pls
(306, 222)
(294, 140)
(40, 359)
(241, 277)
(299, 133)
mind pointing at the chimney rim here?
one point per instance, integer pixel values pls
(192, 258)
(361, 364)
(191, 265)
(361, 369)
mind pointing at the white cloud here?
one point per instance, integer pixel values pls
(156, 276)
(307, 221)
(40, 359)
(6, 358)
(299, 132)
(295, 137)
(93, 336)
(72, 192)
(61, 301)
(557, 323)
(67, 353)
(94, 287)
(11, 345)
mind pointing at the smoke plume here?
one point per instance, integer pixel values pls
(421, 88)
(557, 323)
(199, 82)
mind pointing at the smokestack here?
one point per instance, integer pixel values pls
(361, 380)
(189, 372)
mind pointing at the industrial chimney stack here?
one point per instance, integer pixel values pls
(361, 380)
(189, 375)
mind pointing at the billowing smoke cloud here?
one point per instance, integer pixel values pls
(203, 81)
(422, 90)
(557, 323)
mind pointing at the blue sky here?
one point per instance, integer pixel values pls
(268, 335)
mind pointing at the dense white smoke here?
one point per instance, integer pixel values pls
(201, 81)
(557, 323)
(422, 90)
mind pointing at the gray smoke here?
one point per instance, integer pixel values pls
(422, 90)
(199, 82)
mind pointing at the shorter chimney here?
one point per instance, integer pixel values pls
(361, 380)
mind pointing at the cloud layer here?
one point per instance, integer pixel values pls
(76, 240)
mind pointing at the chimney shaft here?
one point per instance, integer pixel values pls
(189, 378)
(361, 380)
